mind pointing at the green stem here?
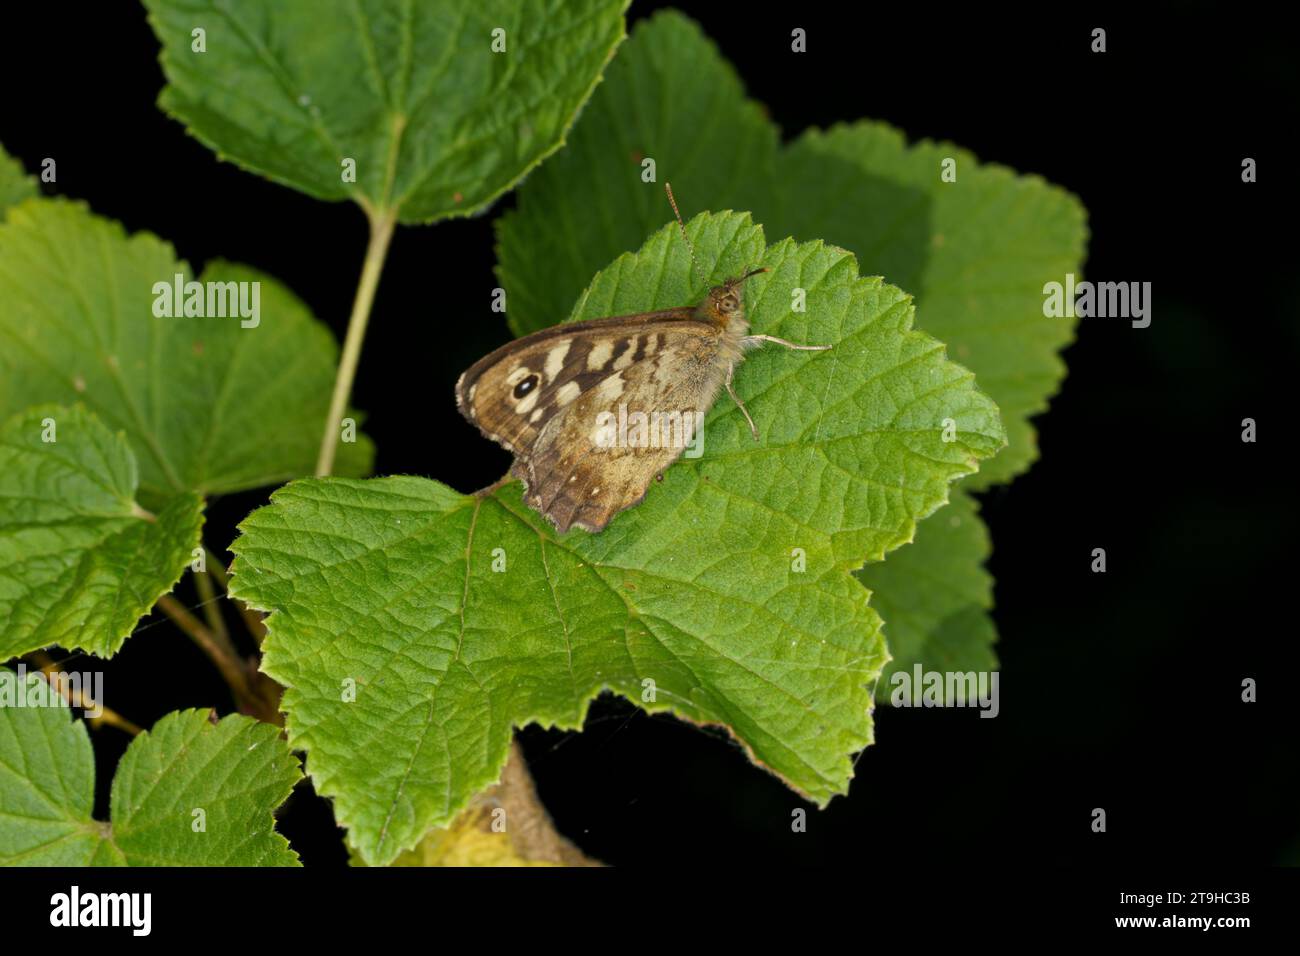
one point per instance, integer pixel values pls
(221, 652)
(79, 699)
(211, 611)
(252, 619)
(255, 693)
(382, 223)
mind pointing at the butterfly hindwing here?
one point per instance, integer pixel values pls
(600, 455)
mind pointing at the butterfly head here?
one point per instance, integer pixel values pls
(725, 304)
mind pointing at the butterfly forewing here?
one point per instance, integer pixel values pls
(550, 399)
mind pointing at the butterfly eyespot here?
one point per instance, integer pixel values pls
(526, 386)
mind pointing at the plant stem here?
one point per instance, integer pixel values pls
(531, 831)
(218, 568)
(382, 223)
(255, 693)
(79, 699)
(221, 652)
(473, 837)
(252, 619)
(211, 612)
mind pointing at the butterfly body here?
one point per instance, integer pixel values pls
(559, 401)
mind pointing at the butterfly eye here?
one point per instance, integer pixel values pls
(730, 303)
(526, 386)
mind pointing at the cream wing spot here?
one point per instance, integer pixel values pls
(610, 388)
(599, 355)
(555, 359)
(567, 393)
(525, 405)
(625, 357)
(518, 374)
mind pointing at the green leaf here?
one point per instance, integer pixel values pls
(192, 394)
(388, 586)
(667, 97)
(236, 772)
(437, 122)
(15, 184)
(934, 596)
(975, 252)
(80, 561)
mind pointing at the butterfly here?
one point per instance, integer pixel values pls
(559, 400)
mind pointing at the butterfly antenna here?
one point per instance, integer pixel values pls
(668, 187)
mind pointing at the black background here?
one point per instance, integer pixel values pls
(1119, 690)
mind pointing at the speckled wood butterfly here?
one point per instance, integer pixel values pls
(559, 400)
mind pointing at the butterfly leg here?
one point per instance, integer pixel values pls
(751, 340)
(753, 430)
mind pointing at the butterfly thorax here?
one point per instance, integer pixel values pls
(724, 309)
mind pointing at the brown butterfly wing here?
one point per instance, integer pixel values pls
(663, 362)
(577, 352)
(575, 479)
